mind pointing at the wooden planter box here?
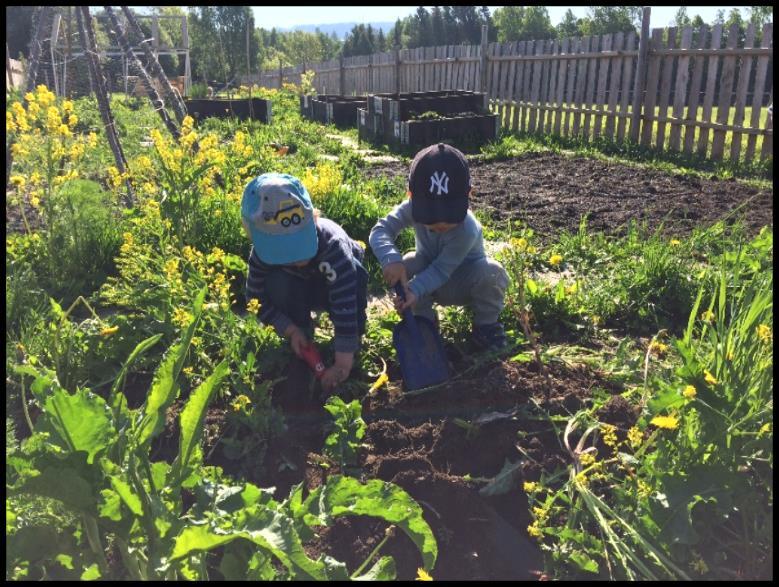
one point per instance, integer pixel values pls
(407, 106)
(243, 109)
(333, 108)
(338, 110)
(468, 131)
(463, 119)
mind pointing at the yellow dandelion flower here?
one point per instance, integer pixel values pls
(106, 332)
(92, 140)
(519, 243)
(67, 106)
(667, 422)
(240, 403)
(253, 306)
(658, 348)
(710, 379)
(10, 125)
(29, 97)
(764, 429)
(675, 242)
(555, 260)
(764, 332)
(423, 575)
(707, 316)
(35, 201)
(72, 120)
(689, 392)
(18, 181)
(530, 486)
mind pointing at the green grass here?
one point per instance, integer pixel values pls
(693, 162)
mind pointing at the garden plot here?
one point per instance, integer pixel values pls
(463, 451)
(551, 192)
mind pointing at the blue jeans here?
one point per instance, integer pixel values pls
(298, 292)
(479, 285)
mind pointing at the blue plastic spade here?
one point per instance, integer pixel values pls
(420, 349)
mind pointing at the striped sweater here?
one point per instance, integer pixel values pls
(334, 259)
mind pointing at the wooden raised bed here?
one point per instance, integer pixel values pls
(333, 109)
(243, 109)
(418, 119)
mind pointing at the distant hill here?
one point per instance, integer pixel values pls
(340, 28)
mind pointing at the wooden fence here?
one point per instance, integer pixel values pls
(687, 93)
(14, 73)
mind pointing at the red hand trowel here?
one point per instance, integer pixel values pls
(310, 354)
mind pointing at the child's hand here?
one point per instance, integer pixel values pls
(296, 338)
(339, 372)
(401, 305)
(394, 272)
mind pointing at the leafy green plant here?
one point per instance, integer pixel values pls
(349, 428)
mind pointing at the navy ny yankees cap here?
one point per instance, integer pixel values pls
(439, 181)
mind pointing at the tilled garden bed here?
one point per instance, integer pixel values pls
(551, 192)
(442, 447)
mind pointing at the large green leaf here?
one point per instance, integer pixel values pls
(347, 496)
(44, 381)
(68, 480)
(141, 348)
(503, 481)
(272, 531)
(382, 570)
(130, 499)
(191, 420)
(673, 508)
(82, 420)
(164, 387)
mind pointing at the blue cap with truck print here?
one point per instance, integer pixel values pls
(277, 212)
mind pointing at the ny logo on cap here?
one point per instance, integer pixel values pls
(442, 182)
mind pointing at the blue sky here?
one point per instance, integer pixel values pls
(288, 16)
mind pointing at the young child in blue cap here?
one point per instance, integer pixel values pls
(299, 263)
(449, 265)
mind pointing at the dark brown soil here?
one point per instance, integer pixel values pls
(551, 193)
(442, 447)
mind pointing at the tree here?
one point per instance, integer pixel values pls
(681, 19)
(517, 23)
(218, 44)
(759, 15)
(438, 34)
(570, 26)
(602, 20)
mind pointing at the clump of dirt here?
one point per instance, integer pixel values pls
(551, 192)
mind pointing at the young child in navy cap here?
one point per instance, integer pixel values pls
(299, 263)
(449, 265)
